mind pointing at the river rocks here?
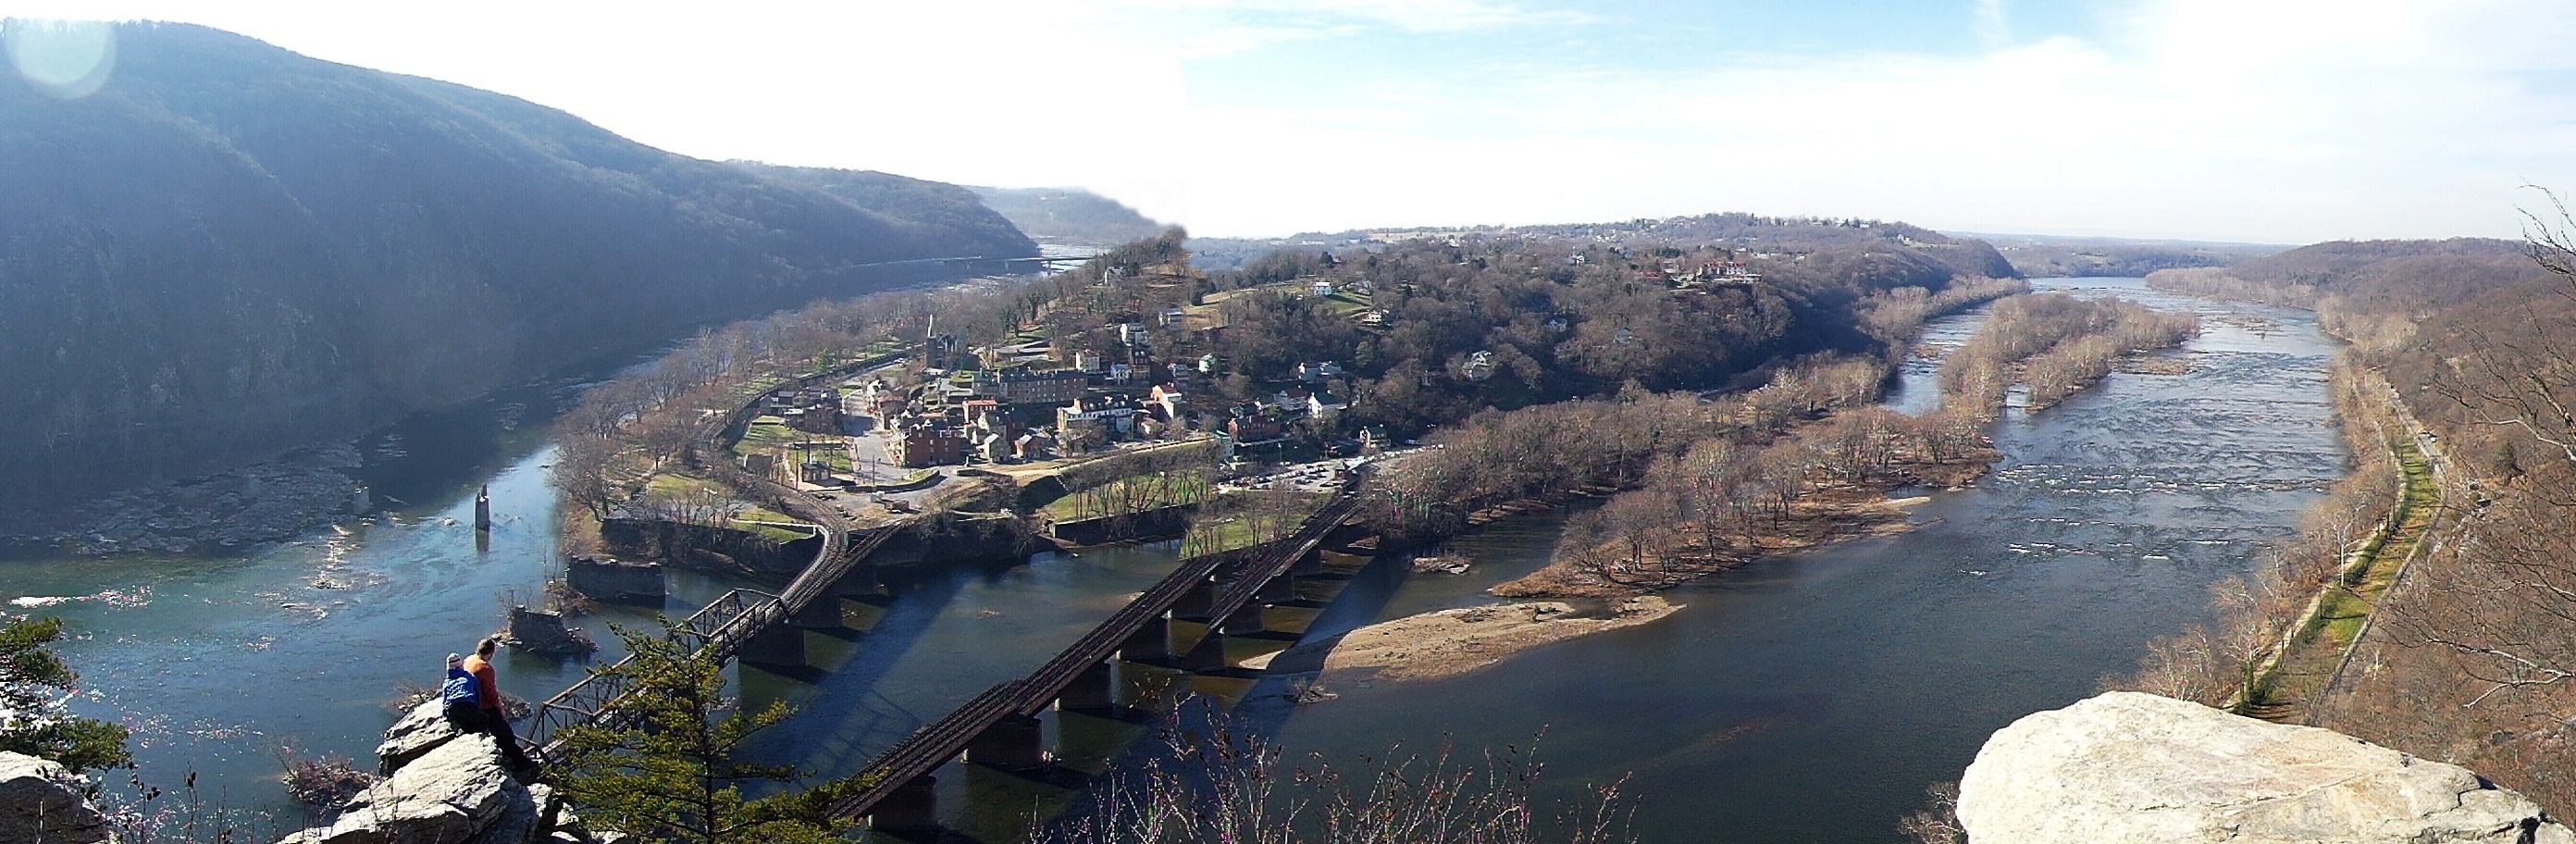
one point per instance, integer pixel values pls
(2129, 767)
(420, 731)
(41, 803)
(245, 507)
(1445, 564)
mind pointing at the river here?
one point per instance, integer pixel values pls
(1804, 698)
(1811, 698)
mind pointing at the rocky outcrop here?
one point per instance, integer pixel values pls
(41, 803)
(447, 787)
(2129, 767)
(450, 794)
(420, 731)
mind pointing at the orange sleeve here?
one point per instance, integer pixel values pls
(489, 680)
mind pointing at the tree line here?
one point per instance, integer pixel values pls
(2470, 656)
(1717, 501)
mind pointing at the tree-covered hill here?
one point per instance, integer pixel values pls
(229, 250)
(1071, 215)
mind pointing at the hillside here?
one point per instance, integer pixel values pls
(1070, 215)
(2044, 256)
(231, 250)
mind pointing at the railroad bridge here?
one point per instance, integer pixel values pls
(1000, 728)
(1226, 592)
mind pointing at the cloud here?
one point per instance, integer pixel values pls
(1993, 28)
(2238, 119)
(1405, 15)
(2275, 120)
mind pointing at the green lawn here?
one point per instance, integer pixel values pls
(1227, 522)
(1124, 495)
(770, 435)
(2316, 650)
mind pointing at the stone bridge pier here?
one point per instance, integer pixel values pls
(1094, 690)
(779, 645)
(1015, 743)
(912, 808)
(1152, 641)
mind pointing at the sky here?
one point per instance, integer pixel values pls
(2281, 121)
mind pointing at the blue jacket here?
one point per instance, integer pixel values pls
(460, 688)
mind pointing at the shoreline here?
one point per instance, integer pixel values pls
(1452, 642)
(1819, 518)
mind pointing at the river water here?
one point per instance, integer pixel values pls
(1811, 698)
(1805, 698)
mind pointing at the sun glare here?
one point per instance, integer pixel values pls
(62, 59)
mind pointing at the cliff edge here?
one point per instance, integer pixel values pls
(2130, 767)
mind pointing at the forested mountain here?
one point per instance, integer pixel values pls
(231, 249)
(2372, 292)
(1069, 214)
(2043, 256)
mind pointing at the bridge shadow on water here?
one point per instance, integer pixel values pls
(842, 717)
(1262, 701)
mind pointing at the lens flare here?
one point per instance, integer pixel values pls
(62, 59)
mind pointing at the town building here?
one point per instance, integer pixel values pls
(927, 445)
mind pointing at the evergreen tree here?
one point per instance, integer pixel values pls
(33, 685)
(669, 773)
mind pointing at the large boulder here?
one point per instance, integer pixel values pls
(2129, 767)
(41, 803)
(420, 731)
(451, 794)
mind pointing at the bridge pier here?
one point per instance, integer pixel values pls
(1243, 622)
(1208, 654)
(1309, 563)
(1195, 602)
(1017, 742)
(823, 614)
(1095, 689)
(913, 807)
(1152, 641)
(861, 582)
(776, 645)
(1277, 590)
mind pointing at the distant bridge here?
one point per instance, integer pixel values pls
(741, 619)
(1000, 727)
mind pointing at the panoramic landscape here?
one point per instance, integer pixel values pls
(1336, 421)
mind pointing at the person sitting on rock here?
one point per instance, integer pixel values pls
(461, 697)
(488, 688)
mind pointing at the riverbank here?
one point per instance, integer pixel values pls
(1453, 642)
(1819, 518)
